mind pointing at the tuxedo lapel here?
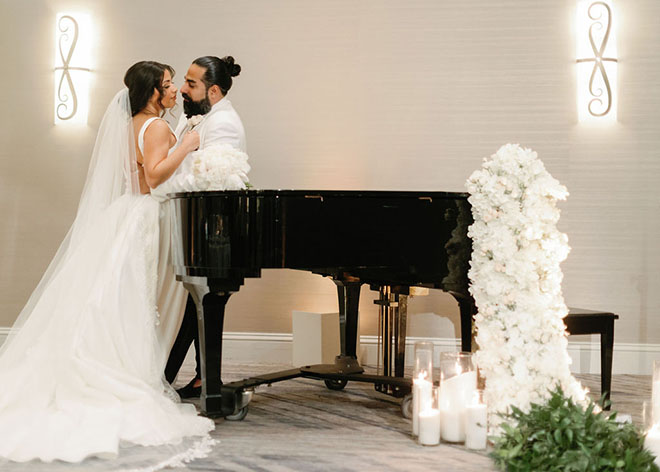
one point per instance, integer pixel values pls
(183, 125)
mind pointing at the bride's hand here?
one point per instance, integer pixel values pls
(190, 141)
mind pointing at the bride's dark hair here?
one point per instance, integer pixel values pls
(141, 79)
(218, 71)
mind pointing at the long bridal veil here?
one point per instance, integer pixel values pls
(81, 373)
(112, 173)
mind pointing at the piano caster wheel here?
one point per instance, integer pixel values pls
(406, 406)
(335, 384)
(238, 416)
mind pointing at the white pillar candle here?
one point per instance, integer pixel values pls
(652, 442)
(422, 398)
(453, 425)
(476, 432)
(455, 394)
(429, 427)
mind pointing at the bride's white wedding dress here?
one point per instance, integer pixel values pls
(81, 375)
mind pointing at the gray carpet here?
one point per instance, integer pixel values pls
(300, 425)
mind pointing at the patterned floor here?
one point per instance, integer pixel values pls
(300, 425)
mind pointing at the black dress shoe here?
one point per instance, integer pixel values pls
(190, 391)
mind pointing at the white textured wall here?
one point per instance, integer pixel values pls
(359, 95)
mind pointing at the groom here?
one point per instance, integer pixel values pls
(204, 97)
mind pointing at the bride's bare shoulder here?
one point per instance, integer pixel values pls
(157, 128)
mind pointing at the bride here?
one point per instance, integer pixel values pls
(81, 373)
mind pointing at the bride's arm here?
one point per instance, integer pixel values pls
(158, 165)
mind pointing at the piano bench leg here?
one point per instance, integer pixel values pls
(602, 323)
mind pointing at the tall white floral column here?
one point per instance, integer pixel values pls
(516, 281)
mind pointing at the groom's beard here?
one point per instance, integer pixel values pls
(192, 108)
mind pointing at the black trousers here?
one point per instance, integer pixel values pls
(188, 334)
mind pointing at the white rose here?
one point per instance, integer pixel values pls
(195, 120)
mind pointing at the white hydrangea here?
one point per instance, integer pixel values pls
(516, 281)
(219, 167)
(216, 167)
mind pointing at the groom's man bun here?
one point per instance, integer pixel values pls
(233, 69)
(218, 71)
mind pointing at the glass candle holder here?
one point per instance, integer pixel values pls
(458, 381)
(476, 422)
(422, 391)
(647, 416)
(655, 394)
(651, 429)
(423, 360)
(429, 421)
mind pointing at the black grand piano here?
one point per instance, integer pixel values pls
(389, 240)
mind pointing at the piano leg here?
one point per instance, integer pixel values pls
(349, 302)
(467, 309)
(210, 320)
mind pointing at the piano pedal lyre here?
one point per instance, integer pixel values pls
(392, 317)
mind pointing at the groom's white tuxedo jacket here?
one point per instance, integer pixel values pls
(220, 125)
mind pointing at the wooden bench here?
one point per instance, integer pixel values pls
(580, 321)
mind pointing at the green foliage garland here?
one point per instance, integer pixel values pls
(562, 436)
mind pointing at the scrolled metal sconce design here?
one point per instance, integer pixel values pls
(67, 98)
(598, 59)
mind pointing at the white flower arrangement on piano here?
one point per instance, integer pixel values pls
(220, 167)
(216, 167)
(516, 281)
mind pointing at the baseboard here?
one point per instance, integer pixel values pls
(275, 348)
(629, 358)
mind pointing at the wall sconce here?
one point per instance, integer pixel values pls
(72, 73)
(596, 61)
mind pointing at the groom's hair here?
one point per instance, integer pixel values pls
(218, 71)
(141, 79)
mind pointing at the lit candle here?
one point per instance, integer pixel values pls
(429, 427)
(476, 421)
(453, 425)
(455, 393)
(652, 442)
(422, 397)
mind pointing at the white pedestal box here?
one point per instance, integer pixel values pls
(315, 338)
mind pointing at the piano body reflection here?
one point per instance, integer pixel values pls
(389, 240)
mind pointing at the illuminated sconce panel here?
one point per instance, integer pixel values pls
(72, 59)
(596, 61)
